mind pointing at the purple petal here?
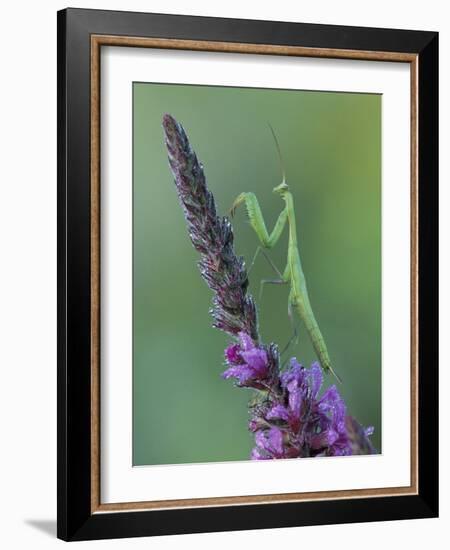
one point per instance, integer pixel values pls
(270, 441)
(324, 439)
(257, 360)
(332, 404)
(246, 342)
(295, 365)
(278, 412)
(337, 450)
(233, 355)
(294, 376)
(242, 372)
(295, 401)
(276, 440)
(257, 455)
(260, 439)
(315, 379)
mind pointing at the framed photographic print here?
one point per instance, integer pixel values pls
(247, 255)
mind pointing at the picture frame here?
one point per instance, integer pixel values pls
(81, 36)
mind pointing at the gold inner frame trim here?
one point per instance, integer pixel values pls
(97, 41)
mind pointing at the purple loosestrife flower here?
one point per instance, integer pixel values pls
(289, 419)
(251, 365)
(299, 423)
(330, 434)
(269, 444)
(247, 361)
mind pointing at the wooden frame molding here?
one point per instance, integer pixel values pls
(96, 42)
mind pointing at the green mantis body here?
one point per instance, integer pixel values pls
(293, 273)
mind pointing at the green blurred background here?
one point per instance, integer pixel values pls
(183, 411)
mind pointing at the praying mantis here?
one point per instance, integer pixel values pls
(293, 275)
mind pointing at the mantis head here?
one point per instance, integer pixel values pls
(281, 189)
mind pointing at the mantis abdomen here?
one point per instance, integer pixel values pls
(303, 308)
(299, 301)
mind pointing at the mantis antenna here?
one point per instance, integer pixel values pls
(280, 156)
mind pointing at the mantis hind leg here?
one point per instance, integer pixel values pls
(282, 280)
(269, 261)
(269, 282)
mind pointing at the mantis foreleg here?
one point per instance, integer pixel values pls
(257, 221)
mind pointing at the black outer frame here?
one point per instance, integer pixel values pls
(75, 521)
